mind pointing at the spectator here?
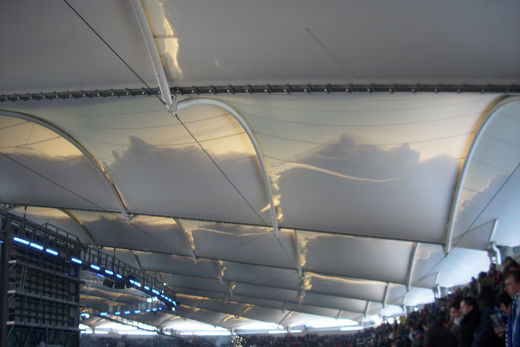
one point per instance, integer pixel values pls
(495, 274)
(455, 317)
(509, 264)
(469, 322)
(512, 287)
(437, 335)
(500, 322)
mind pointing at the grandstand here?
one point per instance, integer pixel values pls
(211, 172)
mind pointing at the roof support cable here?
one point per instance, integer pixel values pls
(108, 45)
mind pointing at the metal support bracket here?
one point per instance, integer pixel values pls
(412, 265)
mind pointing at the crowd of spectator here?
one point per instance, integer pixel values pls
(483, 314)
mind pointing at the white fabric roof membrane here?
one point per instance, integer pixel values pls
(369, 189)
(232, 42)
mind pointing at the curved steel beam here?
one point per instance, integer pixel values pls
(267, 183)
(486, 118)
(411, 265)
(385, 297)
(91, 158)
(80, 223)
(149, 41)
(172, 106)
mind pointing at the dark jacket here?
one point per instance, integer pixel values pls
(468, 326)
(484, 335)
(439, 336)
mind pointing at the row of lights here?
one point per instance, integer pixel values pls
(267, 89)
(133, 312)
(36, 246)
(99, 271)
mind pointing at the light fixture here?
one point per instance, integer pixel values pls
(51, 251)
(22, 241)
(36, 246)
(76, 260)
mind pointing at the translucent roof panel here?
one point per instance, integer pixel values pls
(427, 257)
(363, 153)
(272, 41)
(57, 43)
(62, 219)
(247, 244)
(356, 257)
(490, 189)
(342, 286)
(162, 168)
(144, 233)
(40, 167)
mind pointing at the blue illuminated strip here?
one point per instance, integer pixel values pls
(37, 246)
(51, 251)
(117, 313)
(19, 240)
(86, 315)
(95, 267)
(146, 288)
(103, 314)
(154, 309)
(137, 311)
(76, 260)
(119, 276)
(109, 272)
(155, 291)
(127, 312)
(135, 283)
(148, 310)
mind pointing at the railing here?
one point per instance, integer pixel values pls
(57, 242)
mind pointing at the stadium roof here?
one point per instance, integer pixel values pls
(272, 161)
